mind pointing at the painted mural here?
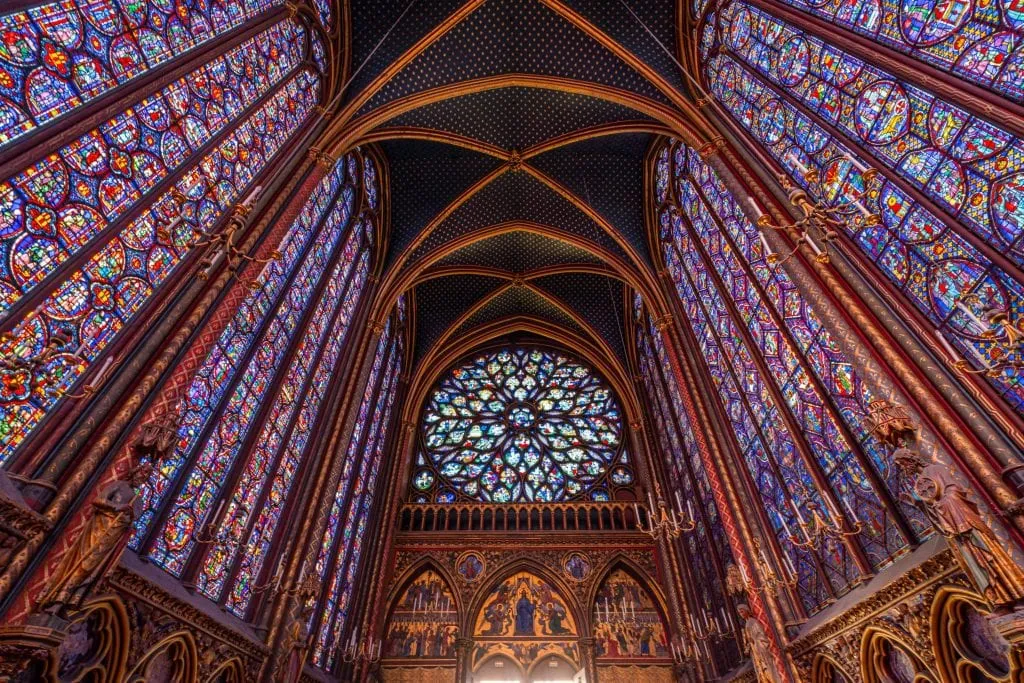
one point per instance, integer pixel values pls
(424, 622)
(628, 624)
(524, 606)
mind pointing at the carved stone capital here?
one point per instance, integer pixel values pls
(662, 323)
(29, 652)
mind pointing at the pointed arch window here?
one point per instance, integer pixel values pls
(89, 234)
(256, 399)
(951, 237)
(338, 561)
(687, 473)
(58, 56)
(795, 402)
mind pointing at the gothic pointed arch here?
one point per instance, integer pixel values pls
(629, 618)
(425, 616)
(173, 660)
(97, 644)
(967, 646)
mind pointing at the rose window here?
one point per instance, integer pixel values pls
(520, 425)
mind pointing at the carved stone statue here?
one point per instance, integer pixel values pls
(157, 437)
(954, 513)
(734, 582)
(98, 546)
(757, 645)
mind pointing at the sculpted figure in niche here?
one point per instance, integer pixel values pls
(756, 644)
(99, 545)
(954, 513)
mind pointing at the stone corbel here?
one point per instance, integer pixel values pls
(18, 522)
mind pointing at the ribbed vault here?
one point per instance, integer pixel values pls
(516, 135)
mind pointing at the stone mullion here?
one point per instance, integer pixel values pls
(890, 175)
(384, 510)
(881, 490)
(970, 96)
(43, 140)
(772, 463)
(226, 490)
(108, 454)
(949, 405)
(289, 430)
(722, 491)
(341, 554)
(229, 307)
(53, 280)
(308, 513)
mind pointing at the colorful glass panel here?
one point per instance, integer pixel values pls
(978, 41)
(927, 261)
(246, 503)
(222, 443)
(520, 425)
(56, 57)
(58, 206)
(346, 548)
(971, 168)
(96, 301)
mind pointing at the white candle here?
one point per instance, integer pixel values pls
(252, 196)
(757, 209)
(764, 244)
(785, 526)
(102, 374)
(743, 573)
(650, 500)
(796, 162)
(947, 347)
(857, 164)
(849, 508)
(689, 509)
(860, 207)
(789, 565)
(219, 508)
(679, 502)
(979, 326)
(812, 245)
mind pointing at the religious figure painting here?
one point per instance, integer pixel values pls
(424, 622)
(628, 623)
(577, 566)
(525, 606)
(470, 566)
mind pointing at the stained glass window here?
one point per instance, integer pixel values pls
(338, 561)
(95, 301)
(976, 40)
(59, 205)
(220, 426)
(718, 264)
(521, 424)
(808, 102)
(687, 472)
(56, 57)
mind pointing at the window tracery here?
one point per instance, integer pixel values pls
(521, 425)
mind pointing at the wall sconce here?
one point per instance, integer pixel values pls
(663, 521)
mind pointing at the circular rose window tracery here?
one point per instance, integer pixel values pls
(520, 425)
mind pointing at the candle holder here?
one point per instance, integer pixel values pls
(821, 526)
(363, 650)
(993, 323)
(220, 538)
(663, 521)
(45, 368)
(223, 245)
(772, 583)
(823, 220)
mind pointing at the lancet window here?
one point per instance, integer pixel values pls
(951, 222)
(90, 233)
(795, 401)
(256, 400)
(341, 547)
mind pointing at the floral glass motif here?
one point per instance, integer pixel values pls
(59, 205)
(95, 301)
(424, 622)
(56, 57)
(925, 258)
(520, 424)
(338, 561)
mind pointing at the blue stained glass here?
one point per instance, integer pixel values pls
(56, 57)
(214, 376)
(95, 302)
(930, 263)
